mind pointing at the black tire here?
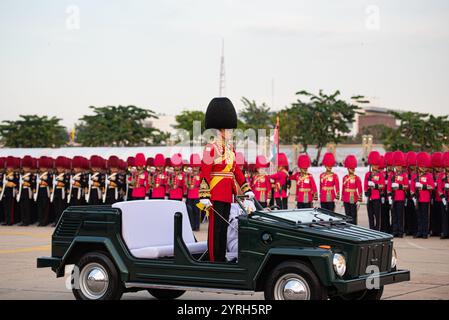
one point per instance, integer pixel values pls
(373, 294)
(164, 294)
(296, 271)
(115, 287)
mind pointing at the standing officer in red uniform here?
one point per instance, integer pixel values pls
(422, 189)
(159, 181)
(397, 190)
(178, 183)
(261, 185)
(140, 178)
(436, 204)
(443, 191)
(2, 176)
(386, 210)
(131, 168)
(374, 185)
(351, 189)
(220, 176)
(329, 184)
(193, 180)
(280, 181)
(306, 191)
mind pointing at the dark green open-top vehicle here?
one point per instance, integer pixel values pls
(287, 254)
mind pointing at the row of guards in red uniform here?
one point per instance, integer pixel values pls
(407, 193)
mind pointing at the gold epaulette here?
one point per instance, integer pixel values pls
(204, 191)
(245, 187)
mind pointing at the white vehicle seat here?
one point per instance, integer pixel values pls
(148, 228)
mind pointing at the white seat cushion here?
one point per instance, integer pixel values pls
(148, 228)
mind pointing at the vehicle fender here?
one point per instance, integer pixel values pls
(320, 259)
(107, 243)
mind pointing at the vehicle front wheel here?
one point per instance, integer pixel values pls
(293, 280)
(97, 278)
(163, 294)
(373, 294)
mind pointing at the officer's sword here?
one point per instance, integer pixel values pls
(202, 207)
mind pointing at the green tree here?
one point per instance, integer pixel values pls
(33, 131)
(318, 119)
(184, 120)
(256, 116)
(117, 126)
(417, 132)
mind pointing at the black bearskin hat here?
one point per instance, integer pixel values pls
(220, 114)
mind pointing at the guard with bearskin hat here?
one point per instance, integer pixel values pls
(351, 189)
(220, 177)
(306, 190)
(79, 182)
(279, 181)
(193, 181)
(329, 184)
(260, 183)
(443, 191)
(397, 188)
(10, 190)
(422, 188)
(139, 178)
(386, 208)
(436, 204)
(27, 188)
(2, 178)
(410, 221)
(44, 190)
(177, 184)
(61, 186)
(159, 179)
(131, 168)
(97, 181)
(115, 181)
(374, 184)
(151, 170)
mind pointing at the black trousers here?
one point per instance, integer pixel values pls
(435, 218)
(218, 230)
(351, 211)
(385, 224)
(328, 205)
(444, 222)
(263, 204)
(397, 214)
(59, 204)
(278, 202)
(423, 219)
(9, 207)
(43, 207)
(2, 212)
(25, 207)
(194, 213)
(374, 214)
(110, 196)
(284, 203)
(302, 205)
(410, 220)
(93, 198)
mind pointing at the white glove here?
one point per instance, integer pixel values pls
(395, 185)
(371, 184)
(444, 201)
(414, 202)
(418, 185)
(390, 201)
(206, 202)
(250, 194)
(446, 186)
(382, 200)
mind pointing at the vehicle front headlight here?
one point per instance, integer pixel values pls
(339, 262)
(394, 259)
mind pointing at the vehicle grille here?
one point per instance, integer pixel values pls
(68, 227)
(378, 254)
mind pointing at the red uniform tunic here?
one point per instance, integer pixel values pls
(329, 187)
(424, 194)
(159, 185)
(177, 186)
(141, 185)
(306, 190)
(261, 187)
(436, 177)
(351, 189)
(379, 184)
(280, 183)
(401, 179)
(193, 185)
(219, 173)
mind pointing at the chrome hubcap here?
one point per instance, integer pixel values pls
(291, 287)
(94, 281)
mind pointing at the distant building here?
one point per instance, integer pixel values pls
(375, 116)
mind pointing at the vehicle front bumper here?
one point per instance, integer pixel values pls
(48, 262)
(358, 284)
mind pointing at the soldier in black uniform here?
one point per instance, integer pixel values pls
(78, 181)
(27, 187)
(10, 189)
(115, 181)
(97, 180)
(44, 190)
(61, 185)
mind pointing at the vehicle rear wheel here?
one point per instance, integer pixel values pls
(164, 294)
(373, 294)
(293, 280)
(98, 278)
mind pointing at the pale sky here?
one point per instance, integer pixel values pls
(165, 55)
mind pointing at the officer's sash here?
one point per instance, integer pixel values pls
(229, 157)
